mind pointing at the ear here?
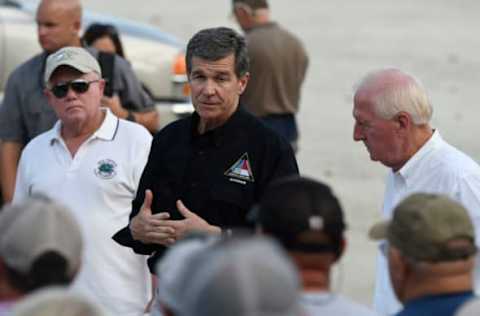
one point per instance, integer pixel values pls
(403, 120)
(101, 85)
(49, 96)
(77, 26)
(343, 247)
(242, 83)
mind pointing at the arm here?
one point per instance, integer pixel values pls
(149, 119)
(9, 157)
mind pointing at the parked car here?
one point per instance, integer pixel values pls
(156, 57)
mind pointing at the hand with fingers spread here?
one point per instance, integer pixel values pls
(191, 223)
(152, 228)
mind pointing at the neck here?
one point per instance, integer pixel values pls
(315, 280)
(444, 278)
(261, 17)
(76, 133)
(9, 294)
(419, 136)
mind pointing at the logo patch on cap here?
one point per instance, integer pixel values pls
(64, 55)
(106, 169)
(241, 170)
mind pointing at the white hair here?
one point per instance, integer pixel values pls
(397, 91)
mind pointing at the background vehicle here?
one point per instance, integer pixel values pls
(156, 57)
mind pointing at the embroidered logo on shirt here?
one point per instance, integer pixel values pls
(106, 169)
(241, 170)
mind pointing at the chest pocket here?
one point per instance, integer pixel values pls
(232, 202)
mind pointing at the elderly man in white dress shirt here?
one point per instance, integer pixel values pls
(392, 113)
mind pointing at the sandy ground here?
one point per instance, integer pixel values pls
(432, 39)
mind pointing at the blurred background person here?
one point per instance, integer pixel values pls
(431, 254)
(307, 219)
(40, 245)
(278, 64)
(104, 37)
(57, 302)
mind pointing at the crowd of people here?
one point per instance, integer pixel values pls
(210, 216)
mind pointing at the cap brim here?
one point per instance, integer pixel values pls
(379, 230)
(81, 68)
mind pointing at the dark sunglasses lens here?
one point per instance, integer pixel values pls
(60, 90)
(79, 86)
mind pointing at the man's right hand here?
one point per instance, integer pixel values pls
(151, 228)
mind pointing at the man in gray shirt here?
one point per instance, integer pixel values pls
(25, 111)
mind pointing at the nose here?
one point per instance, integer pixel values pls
(209, 88)
(357, 133)
(42, 30)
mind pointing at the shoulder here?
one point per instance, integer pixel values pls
(25, 69)
(134, 132)
(39, 143)
(456, 161)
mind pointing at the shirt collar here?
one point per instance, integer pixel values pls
(414, 163)
(218, 135)
(106, 131)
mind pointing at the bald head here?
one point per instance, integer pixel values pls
(59, 23)
(392, 91)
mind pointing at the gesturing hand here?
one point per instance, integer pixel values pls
(152, 228)
(191, 223)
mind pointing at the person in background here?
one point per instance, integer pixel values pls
(278, 66)
(25, 112)
(307, 219)
(41, 245)
(104, 37)
(431, 254)
(392, 115)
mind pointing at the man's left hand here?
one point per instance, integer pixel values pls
(191, 223)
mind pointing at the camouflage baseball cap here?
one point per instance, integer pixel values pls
(423, 225)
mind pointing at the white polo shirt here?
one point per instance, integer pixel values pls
(436, 168)
(98, 185)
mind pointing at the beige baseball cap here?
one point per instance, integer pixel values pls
(423, 225)
(37, 225)
(75, 57)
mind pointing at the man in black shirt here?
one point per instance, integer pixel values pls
(206, 171)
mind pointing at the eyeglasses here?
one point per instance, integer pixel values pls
(78, 86)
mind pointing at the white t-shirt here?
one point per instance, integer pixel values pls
(98, 184)
(436, 168)
(325, 303)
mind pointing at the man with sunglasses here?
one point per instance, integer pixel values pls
(25, 112)
(91, 161)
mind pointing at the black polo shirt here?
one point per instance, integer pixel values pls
(218, 175)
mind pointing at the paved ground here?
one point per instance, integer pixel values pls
(433, 39)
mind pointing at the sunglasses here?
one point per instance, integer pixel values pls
(78, 86)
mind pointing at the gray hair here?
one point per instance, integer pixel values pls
(216, 43)
(399, 92)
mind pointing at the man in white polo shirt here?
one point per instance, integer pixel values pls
(92, 162)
